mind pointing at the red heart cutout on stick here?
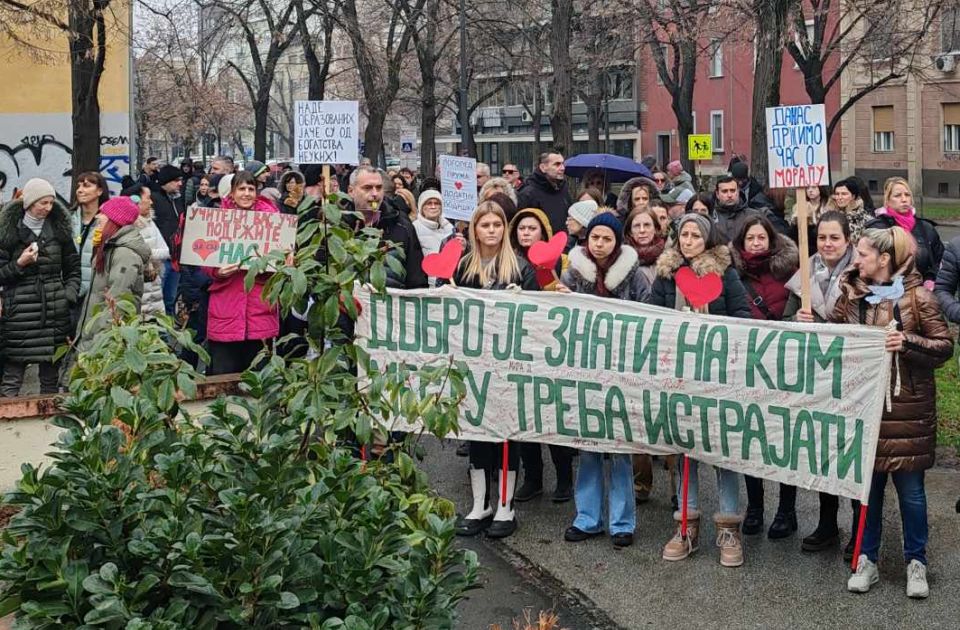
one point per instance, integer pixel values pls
(546, 254)
(204, 248)
(458, 185)
(698, 291)
(443, 264)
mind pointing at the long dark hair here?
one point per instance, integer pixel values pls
(95, 178)
(756, 220)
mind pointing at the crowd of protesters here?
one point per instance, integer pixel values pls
(869, 265)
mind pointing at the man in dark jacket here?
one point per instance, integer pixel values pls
(168, 212)
(948, 281)
(547, 190)
(751, 192)
(732, 212)
(366, 191)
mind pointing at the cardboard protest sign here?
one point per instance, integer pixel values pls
(700, 146)
(326, 132)
(458, 185)
(797, 146)
(216, 237)
(796, 403)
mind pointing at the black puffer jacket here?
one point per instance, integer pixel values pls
(37, 298)
(541, 193)
(733, 300)
(948, 281)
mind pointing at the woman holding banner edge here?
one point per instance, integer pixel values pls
(765, 261)
(608, 268)
(700, 247)
(884, 289)
(491, 264)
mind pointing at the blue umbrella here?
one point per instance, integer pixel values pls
(616, 168)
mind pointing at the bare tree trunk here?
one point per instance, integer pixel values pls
(426, 52)
(561, 119)
(771, 28)
(88, 49)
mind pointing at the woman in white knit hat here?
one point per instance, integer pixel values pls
(432, 228)
(579, 216)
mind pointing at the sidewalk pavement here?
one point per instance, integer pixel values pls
(778, 586)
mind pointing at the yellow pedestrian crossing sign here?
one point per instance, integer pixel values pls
(700, 146)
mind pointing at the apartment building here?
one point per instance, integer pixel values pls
(910, 127)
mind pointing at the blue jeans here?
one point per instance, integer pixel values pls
(913, 515)
(588, 494)
(171, 282)
(728, 484)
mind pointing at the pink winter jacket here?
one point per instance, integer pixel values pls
(234, 314)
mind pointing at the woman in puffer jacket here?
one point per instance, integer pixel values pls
(884, 287)
(606, 268)
(40, 278)
(636, 193)
(152, 301)
(239, 323)
(700, 247)
(765, 261)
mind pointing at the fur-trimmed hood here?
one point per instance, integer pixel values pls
(12, 214)
(716, 260)
(784, 258)
(626, 193)
(581, 265)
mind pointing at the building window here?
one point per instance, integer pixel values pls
(884, 35)
(716, 58)
(883, 129)
(950, 29)
(693, 122)
(943, 189)
(951, 127)
(873, 186)
(810, 24)
(620, 84)
(716, 130)
(666, 60)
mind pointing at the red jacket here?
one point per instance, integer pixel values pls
(234, 314)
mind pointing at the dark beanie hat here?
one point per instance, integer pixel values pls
(168, 173)
(506, 204)
(740, 170)
(608, 220)
(213, 182)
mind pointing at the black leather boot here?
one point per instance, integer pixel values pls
(753, 522)
(783, 525)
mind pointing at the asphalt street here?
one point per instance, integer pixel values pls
(778, 587)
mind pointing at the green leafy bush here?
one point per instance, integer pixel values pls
(255, 513)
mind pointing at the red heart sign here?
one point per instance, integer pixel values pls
(203, 248)
(698, 291)
(443, 264)
(458, 185)
(546, 254)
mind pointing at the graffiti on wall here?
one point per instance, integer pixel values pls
(48, 154)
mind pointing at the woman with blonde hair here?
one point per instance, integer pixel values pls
(884, 289)
(491, 264)
(498, 185)
(898, 210)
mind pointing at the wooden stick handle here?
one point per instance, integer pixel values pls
(801, 212)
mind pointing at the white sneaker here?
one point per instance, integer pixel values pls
(866, 576)
(917, 580)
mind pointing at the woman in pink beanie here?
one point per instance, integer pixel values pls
(119, 257)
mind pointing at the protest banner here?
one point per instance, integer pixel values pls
(326, 132)
(700, 146)
(216, 237)
(796, 403)
(458, 185)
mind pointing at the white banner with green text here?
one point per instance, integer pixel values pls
(796, 403)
